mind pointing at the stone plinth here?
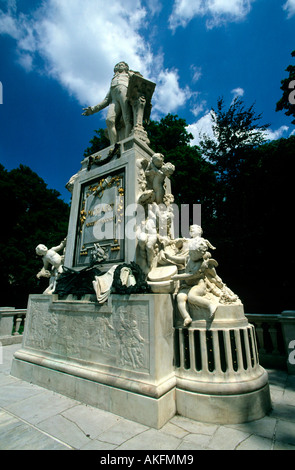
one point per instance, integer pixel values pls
(117, 357)
(218, 376)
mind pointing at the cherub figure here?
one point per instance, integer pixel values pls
(193, 286)
(176, 250)
(147, 238)
(155, 174)
(52, 264)
(196, 232)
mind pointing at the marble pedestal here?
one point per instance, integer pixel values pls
(218, 375)
(125, 357)
(117, 356)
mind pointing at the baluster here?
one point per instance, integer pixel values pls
(274, 338)
(181, 348)
(204, 354)
(259, 332)
(216, 350)
(228, 353)
(254, 356)
(239, 351)
(192, 350)
(18, 321)
(247, 348)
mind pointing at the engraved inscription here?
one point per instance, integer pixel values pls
(101, 219)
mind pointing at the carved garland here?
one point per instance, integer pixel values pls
(141, 286)
(97, 160)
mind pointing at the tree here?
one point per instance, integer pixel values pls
(251, 228)
(287, 102)
(98, 142)
(253, 235)
(194, 181)
(31, 214)
(236, 131)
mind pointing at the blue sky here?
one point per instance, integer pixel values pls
(58, 57)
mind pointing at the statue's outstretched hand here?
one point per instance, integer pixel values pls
(87, 111)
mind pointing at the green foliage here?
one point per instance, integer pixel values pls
(168, 134)
(236, 131)
(253, 231)
(32, 214)
(284, 102)
(98, 142)
(253, 200)
(194, 180)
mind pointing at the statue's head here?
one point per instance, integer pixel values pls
(168, 169)
(195, 231)
(121, 67)
(41, 250)
(158, 160)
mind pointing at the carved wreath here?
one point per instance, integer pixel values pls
(141, 286)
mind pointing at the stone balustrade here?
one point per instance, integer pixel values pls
(275, 334)
(12, 322)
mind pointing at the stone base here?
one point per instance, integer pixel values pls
(153, 412)
(218, 375)
(116, 356)
(224, 409)
(121, 357)
(10, 339)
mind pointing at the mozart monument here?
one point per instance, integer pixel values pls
(135, 321)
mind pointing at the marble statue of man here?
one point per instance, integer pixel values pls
(117, 101)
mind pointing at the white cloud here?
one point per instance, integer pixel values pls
(155, 6)
(197, 73)
(289, 6)
(277, 134)
(78, 42)
(218, 11)
(184, 11)
(200, 127)
(204, 126)
(238, 92)
(199, 108)
(168, 95)
(8, 25)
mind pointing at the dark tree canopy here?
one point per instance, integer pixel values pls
(285, 103)
(252, 229)
(98, 142)
(194, 178)
(32, 214)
